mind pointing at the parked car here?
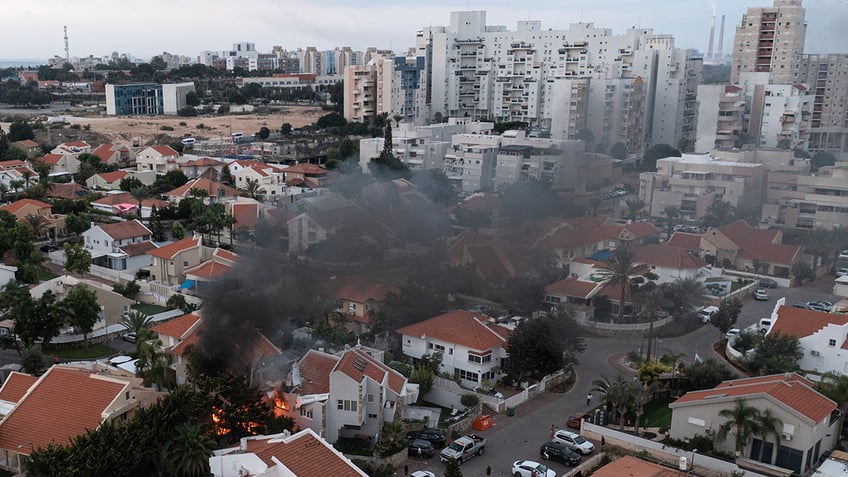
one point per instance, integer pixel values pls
(422, 473)
(574, 441)
(129, 337)
(764, 325)
(705, 314)
(843, 254)
(574, 419)
(760, 294)
(841, 272)
(767, 283)
(420, 447)
(435, 436)
(559, 452)
(732, 332)
(803, 306)
(529, 468)
(820, 305)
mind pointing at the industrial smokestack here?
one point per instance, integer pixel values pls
(712, 36)
(720, 52)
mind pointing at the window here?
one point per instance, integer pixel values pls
(370, 398)
(468, 375)
(476, 358)
(306, 412)
(185, 264)
(439, 348)
(831, 343)
(345, 405)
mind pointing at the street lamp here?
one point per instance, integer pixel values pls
(692, 461)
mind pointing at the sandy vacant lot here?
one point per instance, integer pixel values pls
(123, 129)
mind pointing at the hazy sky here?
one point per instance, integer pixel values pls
(143, 28)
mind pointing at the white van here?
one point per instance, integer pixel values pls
(188, 141)
(764, 325)
(705, 314)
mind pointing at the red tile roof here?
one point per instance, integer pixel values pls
(63, 404)
(209, 269)
(20, 204)
(191, 340)
(27, 143)
(126, 230)
(307, 169)
(315, 369)
(105, 152)
(667, 256)
(120, 198)
(358, 364)
(113, 176)
(77, 144)
(772, 253)
(225, 255)
(746, 236)
(629, 466)
(793, 391)
(461, 327)
(178, 326)
(211, 187)
(641, 229)
(685, 240)
(246, 215)
(138, 248)
(800, 323)
(357, 288)
(16, 385)
(165, 150)
(572, 287)
(71, 190)
(50, 158)
(304, 454)
(12, 164)
(170, 250)
(201, 162)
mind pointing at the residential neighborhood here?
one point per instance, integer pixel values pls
(534, 247)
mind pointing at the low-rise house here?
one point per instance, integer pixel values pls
(58, 164)
(349, 395)
(72, 149)
(473, 348)
(198, 167)
(173, 332)
(270, 179)
(112, 154)
(740, 246)
(215, 191)
(62, 404)
(7, 274)
(121, 203)
(159, 159)
(808, 421)
(325, 215)
(201, 276)
(671, 263)
(119, 246)
(304, 454)
(52, 225)
(30, 147)
(357, 298)
(67, 191)
(823, 336)
(106, 180)
(113, 305)
(171, 261)
(306, 175)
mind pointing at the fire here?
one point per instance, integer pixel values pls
(281, 406)
(220, 430)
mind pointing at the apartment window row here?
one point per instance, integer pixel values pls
(346, 405)
(478, 358)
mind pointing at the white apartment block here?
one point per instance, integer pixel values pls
(488, 72)
(721, 117)
(778, 114)
(770, 40)
(827, 77)
(693, 182)
(806, 201)
(618, 112)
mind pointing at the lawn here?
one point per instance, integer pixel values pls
(657, 413)
(93, 351)
(43, 276)
(149, 309)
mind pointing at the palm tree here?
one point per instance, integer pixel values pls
(818, 243)
(188, 452)
(16, 185)
(617, 394)
(642, 393)
(683, 293)
(634, 208)
(251, 188)
(835, 387)
(136, 322)
(719, 213)
(652, 302)
(671, 213)
(38, 224)
(742, 420)
(620, 269)
(4, 189)
(140, 194)
(769, 426)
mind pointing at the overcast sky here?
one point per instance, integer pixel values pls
(143, 28)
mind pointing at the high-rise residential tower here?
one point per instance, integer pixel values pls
(770, 40)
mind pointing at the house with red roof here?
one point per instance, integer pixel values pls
(671, 263)
(112, 154)
(809, 422)
(72, 149)
(215, 191)
(62, 404)
(54, 224)
(171, 261)
(472, 346)
(740, 246)
(106, 180)
(120, 203)
(206, 272)
(201, 166)
(328, 214)
(30, 147)
(159, 159)
(120, 245)
(304, 454)
(823, 336)
(69, 191)
(270, 179)
(306, 175)
(58, 163)
(14, 174)
(357, 299)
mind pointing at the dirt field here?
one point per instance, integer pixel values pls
(122, 130)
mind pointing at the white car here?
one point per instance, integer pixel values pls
(760, 294)
(732, 332)
(529, 468)
(422, 473)
(842, 272)
(705, 314)
(574, 441)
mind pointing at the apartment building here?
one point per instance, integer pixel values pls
(778, 114)
(619, 118)
(721, 117)
(770, 40)
(827, 78)
(693, 182)
(146, 99)
(806, 201)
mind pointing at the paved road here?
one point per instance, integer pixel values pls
(519, 437)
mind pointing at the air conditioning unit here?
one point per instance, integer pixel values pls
(786, 436)
(814, 353)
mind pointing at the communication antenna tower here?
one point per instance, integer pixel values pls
(67, 50)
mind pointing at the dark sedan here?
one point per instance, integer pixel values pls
(560, 453)
(420, 447)
(436, 436)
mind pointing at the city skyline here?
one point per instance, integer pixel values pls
(330, 23)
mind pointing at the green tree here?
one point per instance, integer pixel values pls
(683, 294)
(20, 130)
(264, 133)
(35, 319)
(226, 175)
(76, 223)
(187, 453)
(657, 151)
(77, 258)
(452, 468)
(252, 188)
(719, 213)
(130, 290)
(835, 387)
(129, 183)
(802, 271)
(136, 322)
(617, 393)
(192, 99)
(634, 208)
(706, 374)
(38, 224)
(32, 360)
(620, 270)
(742, 420)
(435, 185)
(618, 151)
(177, 231)
(286, 129)
(81, 310)
(140, 194)
(4, 142)
(393, 438)
(672, 213)
(822, 159)
(726, 316)
(768, 426)
(776, 353)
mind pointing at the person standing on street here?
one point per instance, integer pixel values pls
(589, 399)
(488, 470)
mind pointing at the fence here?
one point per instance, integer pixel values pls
(663, 453)
(447, 393)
